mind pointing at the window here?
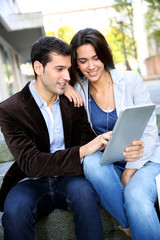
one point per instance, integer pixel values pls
(7, 69)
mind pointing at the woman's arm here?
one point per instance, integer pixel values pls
(132, 153)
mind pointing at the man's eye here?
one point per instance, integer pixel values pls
(59, 69)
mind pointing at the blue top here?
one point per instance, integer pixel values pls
(100, 119)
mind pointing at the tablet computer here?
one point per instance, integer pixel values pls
(129, 126)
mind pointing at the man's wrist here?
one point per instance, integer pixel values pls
(83, 151)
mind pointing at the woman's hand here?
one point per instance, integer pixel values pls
(134, 152)
(126, 175)
(73, 95)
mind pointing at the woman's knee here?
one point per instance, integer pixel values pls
(91, 165)
(138, 198)
(92, 160)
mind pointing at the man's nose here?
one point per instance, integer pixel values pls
(67, 75)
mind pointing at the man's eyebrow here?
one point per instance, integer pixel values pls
(60, 66)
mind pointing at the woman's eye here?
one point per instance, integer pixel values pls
(82, 62)
(96, 58)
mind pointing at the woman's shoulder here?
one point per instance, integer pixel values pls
(125, 76)
(84, 82)
(131, 73)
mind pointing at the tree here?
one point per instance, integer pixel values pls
(50, 34)
(113, 36)
(66, 33)
(153, 19)
(125, 7)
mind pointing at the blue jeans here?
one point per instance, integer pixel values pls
(133, 206)
(30, 200)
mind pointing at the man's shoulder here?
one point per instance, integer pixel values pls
(67, 105)
(64, 101)
(10, 100)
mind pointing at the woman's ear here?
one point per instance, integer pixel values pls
(38, 68)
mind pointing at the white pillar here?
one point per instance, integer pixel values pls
(139, 7)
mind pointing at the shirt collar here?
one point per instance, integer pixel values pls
(40, 102)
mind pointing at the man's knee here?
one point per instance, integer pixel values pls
(82, 194)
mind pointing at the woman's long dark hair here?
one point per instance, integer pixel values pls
(98, 41)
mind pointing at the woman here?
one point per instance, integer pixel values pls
(127, 189)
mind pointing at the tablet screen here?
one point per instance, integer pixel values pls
(129, 127)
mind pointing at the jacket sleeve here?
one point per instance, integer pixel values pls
(36, 163)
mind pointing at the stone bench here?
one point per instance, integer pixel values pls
(59, 224)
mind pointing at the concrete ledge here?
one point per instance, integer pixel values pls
(5, 155)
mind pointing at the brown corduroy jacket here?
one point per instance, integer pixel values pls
(26, 135)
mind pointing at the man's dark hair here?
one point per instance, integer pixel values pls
(42, 49)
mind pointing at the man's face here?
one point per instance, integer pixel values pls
(53, 79)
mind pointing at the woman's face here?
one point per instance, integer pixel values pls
(89, 63)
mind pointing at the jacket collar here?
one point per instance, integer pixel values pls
(116, 75)
(119, 88)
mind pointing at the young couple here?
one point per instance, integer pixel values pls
(53, 144)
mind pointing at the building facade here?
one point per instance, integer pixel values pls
(148, 48)
(17, 33)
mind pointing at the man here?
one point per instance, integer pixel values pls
(48, 138)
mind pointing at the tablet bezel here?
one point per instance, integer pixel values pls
(129, 126)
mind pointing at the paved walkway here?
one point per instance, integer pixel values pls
(154, 90)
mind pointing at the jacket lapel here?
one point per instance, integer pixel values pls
(66, 119)
(31, 108)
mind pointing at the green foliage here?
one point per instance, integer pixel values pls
(153, 19)
(66, 33)
(154, 4)
(113, 36)
(125, 7)
(50, 34)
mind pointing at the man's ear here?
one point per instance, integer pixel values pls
(38, 68)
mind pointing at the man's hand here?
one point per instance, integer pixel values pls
(73, 95)
(97, 144)
(134, 152)
(126, 176)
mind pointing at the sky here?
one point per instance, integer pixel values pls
(52, 6)
(52, 20)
